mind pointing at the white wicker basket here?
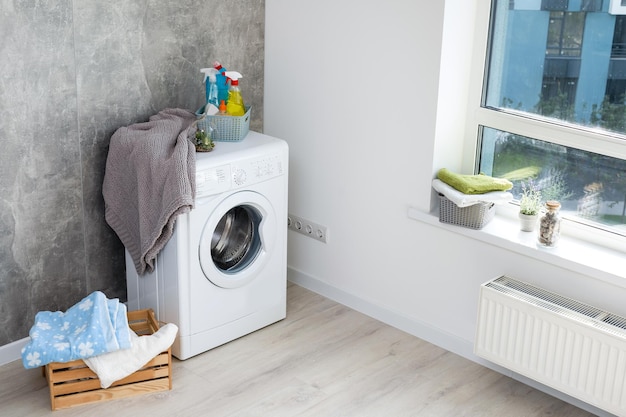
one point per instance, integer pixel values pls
(474, 217)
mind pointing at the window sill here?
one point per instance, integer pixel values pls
(594, 260)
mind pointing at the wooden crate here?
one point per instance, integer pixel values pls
(73, 383)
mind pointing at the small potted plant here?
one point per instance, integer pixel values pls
(203, 142)
(529, 206)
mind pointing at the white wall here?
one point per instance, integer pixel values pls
(354, 87)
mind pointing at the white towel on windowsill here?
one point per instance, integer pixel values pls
(113, 366)
(465, 200)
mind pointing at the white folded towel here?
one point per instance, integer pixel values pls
(465, 200)
(113, 366)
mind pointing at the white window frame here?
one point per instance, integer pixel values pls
(617, 7)
(591, 140)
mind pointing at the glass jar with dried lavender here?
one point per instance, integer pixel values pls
(550, 225)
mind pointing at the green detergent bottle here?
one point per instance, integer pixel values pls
(234, 105)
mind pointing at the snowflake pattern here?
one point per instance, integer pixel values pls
(61, 346)
(43, 325)
(33, 359)
(85, 349)
(85, 305)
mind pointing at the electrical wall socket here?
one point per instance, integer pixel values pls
(307, 228)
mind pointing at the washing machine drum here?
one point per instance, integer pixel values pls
(235, 242)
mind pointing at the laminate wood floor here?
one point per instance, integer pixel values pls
(323, 360)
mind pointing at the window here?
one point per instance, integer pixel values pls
(552, 107)
(565, 34)
(554, 4)
(616, 82)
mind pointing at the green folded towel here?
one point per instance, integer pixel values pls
(473, 184)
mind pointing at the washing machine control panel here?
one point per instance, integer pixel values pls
(255, 170)
(213, 180)
(245, 172)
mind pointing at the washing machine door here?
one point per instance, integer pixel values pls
(237, 239)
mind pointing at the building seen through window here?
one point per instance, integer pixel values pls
(563, 63)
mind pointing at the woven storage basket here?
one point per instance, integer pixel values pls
(474, 217)
(225, 128)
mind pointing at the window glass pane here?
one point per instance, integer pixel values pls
(565, 32)
(590, 187)
(563, 60)
(555, 34)
(573, 29)
(618, 49)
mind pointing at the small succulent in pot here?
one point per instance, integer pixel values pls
(204, 142)
(530, 201)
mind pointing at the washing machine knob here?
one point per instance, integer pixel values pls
(239, 177)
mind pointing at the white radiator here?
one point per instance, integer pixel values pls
(567, 345)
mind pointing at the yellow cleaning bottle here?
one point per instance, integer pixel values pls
(234, 105)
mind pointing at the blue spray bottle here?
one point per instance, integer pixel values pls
(222, 82)
(210, 82)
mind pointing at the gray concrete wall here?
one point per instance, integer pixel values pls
(71, 73)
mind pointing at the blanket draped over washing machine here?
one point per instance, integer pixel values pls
(149, 180)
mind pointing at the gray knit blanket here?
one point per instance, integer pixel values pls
(149, 180)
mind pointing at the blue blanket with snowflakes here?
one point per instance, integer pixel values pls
(94, 326)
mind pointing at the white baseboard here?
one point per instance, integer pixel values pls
(424, 331)
(12, 351)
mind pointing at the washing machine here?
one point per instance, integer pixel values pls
(223, 273)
